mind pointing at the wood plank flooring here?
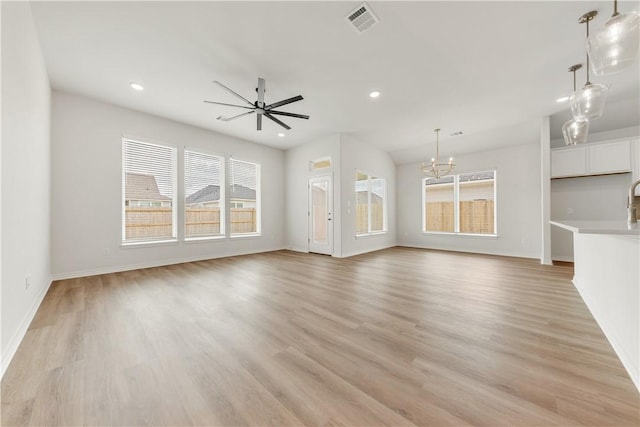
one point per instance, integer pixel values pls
(397, 337)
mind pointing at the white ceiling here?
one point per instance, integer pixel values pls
(490, 69)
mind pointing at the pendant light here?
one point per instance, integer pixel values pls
(575, 131)
(588, 102)
(617, 45)
(435, 168)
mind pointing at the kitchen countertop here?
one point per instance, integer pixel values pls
(599, 227)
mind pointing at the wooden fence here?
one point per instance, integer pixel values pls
(143, 223)
(362, 218)
(476, 216)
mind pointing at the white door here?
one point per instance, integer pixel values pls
(320, 215)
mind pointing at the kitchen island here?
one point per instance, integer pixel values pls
(607, 276)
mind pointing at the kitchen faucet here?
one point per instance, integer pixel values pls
(631, 205)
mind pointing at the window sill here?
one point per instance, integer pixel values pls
(245, 236)
(152, 243)
(442, 233)
(204, 239)
(377, 233)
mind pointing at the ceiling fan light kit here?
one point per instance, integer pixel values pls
(259, 108)
(616, 46)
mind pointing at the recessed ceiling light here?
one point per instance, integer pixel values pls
(564, 98)
(136, 86)
(374, 94)
(281, 134)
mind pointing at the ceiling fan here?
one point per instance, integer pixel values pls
(259, 107)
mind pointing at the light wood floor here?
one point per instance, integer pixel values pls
(397, 337)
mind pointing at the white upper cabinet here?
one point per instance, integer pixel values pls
(568, 162)
(592, 159)
(611, 157)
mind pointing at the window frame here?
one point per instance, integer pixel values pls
(258, 190)
(174, 191)
(456, 205)
(222, 199)
(385, 228)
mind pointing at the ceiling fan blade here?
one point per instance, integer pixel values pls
(232, 92)
(227, 119)
(260, 92)
(284, 113)
(283, 102)
(228, 105)
(284, 125)
(259, 121)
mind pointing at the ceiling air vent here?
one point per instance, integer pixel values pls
(362, 18)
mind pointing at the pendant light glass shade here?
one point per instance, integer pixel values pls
(575, 131)
(588, 101)
(617, 45)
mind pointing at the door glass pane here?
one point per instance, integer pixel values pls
(439, 205)
(477, 203)
(319, 212)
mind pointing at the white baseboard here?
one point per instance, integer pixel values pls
(365, 251)
(120, 268)
(495, 253)
(18, 336)
(562, 258)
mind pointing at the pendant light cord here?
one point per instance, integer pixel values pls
(588, 82)
(615, 8)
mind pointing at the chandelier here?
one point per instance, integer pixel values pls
(436, 169)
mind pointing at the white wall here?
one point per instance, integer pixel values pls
(518, 204)
(357, 155)
(297, 198)
(25, 178)
(87, 188)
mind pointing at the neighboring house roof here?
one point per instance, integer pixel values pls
(361, 197)
(140, 186)
(211, 193)
(241, 192)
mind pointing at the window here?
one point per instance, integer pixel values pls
(462, 203)
(319, 164)
(371, 209)
(204, 195)
(244, 198)
(149, 191)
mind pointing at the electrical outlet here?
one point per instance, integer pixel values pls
(27, 281)
(569, 210)
(105, 251)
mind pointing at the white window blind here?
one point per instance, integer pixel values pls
(204, 195)
(244, 190)
(149, 205)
